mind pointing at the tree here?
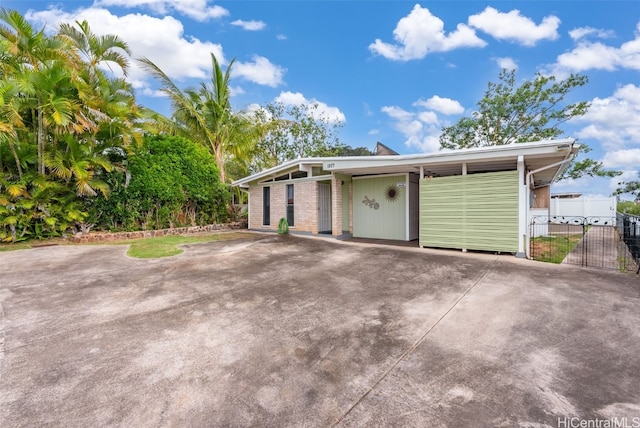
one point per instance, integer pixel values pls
(628, 207)
(354, 151)
(37, 60)
(61, 113)
(170, 181)
(533, 111)
(96, 50)
(629, 188)
(289, 132)
(205, 116)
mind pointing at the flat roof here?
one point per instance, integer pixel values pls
(537, 155)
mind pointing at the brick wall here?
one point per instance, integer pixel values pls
(336, 206)
(305, 209)
(255, 207)
(306, 206)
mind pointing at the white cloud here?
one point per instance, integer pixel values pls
(249, 25)
(515, 27)
(260, 71)
(589, 56)
(373, 132)
(281, 37)
(321, 110)
(582, 32)
(428, 117)
(420, 33)
(162, 40)
(154, 93)
(441, 105)
(421, 129)
(255, 107)
(236, 90)
(628, 158)
(507, 63)
(397, 113)
(598, 56)
(198, 10)
(613, 121)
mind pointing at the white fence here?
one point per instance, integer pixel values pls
(583, 207)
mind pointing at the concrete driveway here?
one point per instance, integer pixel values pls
(293, 331)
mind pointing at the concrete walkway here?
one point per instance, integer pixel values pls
(598, 248)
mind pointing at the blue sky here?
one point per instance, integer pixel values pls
(391, 71)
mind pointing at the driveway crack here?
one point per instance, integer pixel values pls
(417, 343)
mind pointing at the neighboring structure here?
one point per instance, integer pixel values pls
(475, 199)
(583, 207)
(565, 195)
(382, 150)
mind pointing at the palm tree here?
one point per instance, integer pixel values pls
(108, 101)
(60, 115)
(78, 163)
(10, 121)
(40, 66)
(205, 115)
(96, 50)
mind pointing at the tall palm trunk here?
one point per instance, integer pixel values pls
(40, 139)
(12, 148)
(217, 149)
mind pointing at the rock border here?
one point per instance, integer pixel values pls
(138, 234)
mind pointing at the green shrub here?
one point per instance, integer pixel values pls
(173, 182)
(629, 207)
(283, 226)
(37, 208)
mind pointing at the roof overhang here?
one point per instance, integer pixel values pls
(536, 155)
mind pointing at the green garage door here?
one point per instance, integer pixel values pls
(476, 212)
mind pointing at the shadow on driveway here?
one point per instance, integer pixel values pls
(294, 331)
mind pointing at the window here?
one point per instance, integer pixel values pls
(266, 206)
(290, 204)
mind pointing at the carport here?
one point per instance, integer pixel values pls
(471, 199)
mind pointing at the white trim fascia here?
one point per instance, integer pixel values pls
(393, 174)
(332, 164)
(294, 180)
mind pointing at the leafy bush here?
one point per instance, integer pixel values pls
(169, 181)
(629, 207)
(36, 208)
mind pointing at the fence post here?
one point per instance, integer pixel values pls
(584, 242)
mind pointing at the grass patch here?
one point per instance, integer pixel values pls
(33, 243)
(553, 249)
(167, 246)
(15, 246)
(146, 248)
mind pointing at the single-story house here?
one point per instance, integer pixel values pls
(471, 199)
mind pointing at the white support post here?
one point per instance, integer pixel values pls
(523, 210)
(464, 172)
(421, 172)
